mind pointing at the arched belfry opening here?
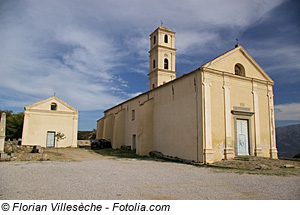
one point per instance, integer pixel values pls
(166, 64)
(162, 57)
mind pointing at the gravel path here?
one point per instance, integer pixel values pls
(136, 179)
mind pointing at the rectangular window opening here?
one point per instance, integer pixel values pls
(133, 114)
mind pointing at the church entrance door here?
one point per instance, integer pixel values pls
(242, 136)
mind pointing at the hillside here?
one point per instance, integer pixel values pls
(288, 140)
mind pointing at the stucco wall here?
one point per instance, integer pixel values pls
(109, 127)
(100, 129)
(145, 129)
(119, 130)
(36, 126)
(39, 119)
(175, 119)
(228, 61)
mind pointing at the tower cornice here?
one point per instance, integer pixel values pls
(164, 47)
(164, 29)
(162, 70)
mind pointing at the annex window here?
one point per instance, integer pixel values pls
(239, 70)
(154, 64)
(166, 38)
(166, 64)
(154, 40)
(133, 115)
(53, 106)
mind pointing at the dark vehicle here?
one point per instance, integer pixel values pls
(100, 144)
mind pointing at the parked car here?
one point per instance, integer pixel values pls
(100, 144)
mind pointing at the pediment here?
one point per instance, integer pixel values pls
(46, 105)
(238, 55)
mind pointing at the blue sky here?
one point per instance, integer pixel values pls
(94, 54)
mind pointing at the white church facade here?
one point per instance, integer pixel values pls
(219, 111)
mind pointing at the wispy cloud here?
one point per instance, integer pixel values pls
(287, 111)
(281, 59)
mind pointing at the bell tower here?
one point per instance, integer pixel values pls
(162, 57)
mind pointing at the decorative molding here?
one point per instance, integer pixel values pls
(243, 113)
(243, 109)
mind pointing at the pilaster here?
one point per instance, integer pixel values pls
(208, 151)
(228, 151)
(257, 150)
(273, 149)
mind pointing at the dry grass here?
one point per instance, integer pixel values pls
(257, 165)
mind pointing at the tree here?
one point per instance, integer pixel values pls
(59, 136)
(93, 136)
(14, 124)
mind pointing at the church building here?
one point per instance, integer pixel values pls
(219, 111)
(46, 119)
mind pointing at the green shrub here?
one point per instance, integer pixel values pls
(297, 155)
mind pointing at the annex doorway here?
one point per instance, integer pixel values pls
(50, 139)
(134, 142)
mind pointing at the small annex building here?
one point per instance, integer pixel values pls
(46, 118)
(219, 111)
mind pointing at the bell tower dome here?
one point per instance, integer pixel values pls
(162, 57)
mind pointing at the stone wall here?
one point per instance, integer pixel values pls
(15, 152)
(84, 143)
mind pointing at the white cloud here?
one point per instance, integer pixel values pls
(78, 48)
(287, 111)
(192, 41)
(282, 58)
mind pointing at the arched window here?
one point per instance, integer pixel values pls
(166, 38)
(153, 86)
(239, 70)
(153, 64)
(166, 64)
(154, 39)
(53, 106)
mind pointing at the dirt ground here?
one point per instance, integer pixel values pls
(258, 165)
(251, 165)
(71, 154)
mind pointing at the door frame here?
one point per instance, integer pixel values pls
(250, 147)
(53, 139)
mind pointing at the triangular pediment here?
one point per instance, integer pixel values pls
(46, 105)
(227, 61)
